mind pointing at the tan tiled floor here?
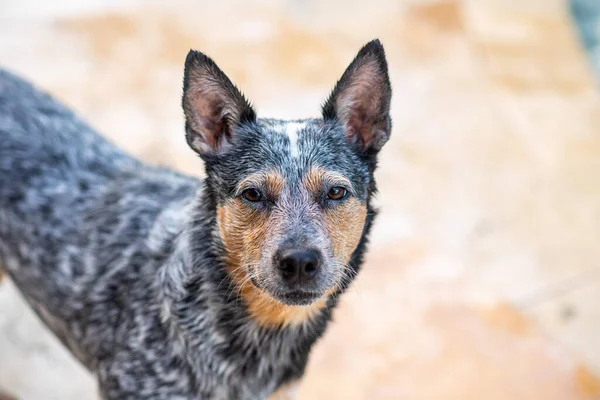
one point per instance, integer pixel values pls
(483, 279)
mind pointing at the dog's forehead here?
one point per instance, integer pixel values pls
(289, 132)
(283, 135)
(303, 142)
(294, 147)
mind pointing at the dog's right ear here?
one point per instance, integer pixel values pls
(213, 106)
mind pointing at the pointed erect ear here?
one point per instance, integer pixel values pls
(213, 106)
(361, 99)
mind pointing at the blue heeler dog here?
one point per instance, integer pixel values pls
(167, 287)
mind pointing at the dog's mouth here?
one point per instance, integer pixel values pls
(290, 298)
(298, 298)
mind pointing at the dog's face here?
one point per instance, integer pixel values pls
(292, 196)
(291, 206)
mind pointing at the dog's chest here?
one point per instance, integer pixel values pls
(263, 369)
(250, 363)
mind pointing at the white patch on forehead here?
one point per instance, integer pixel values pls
(291, 129)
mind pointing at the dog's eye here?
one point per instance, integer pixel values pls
(252, 195)
(336, 193)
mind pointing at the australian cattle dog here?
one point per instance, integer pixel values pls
(169, 287)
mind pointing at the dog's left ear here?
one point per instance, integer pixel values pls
(361, 99)
(213, 106)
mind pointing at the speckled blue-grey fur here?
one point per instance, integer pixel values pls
(124, 263)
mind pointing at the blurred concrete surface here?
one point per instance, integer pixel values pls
(483, 279)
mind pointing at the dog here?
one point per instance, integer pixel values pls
(168, 287)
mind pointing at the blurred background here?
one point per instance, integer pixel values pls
(483, 277)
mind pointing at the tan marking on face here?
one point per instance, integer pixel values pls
(269, 312)
(344, 224)
(244, 232)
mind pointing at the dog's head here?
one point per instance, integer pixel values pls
(291, 196)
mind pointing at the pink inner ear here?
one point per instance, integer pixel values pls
(210, 103)
(359, 105)
(208, 108)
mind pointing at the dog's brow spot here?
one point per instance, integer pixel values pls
(292, 129)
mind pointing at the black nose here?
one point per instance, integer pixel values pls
(298, 265)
